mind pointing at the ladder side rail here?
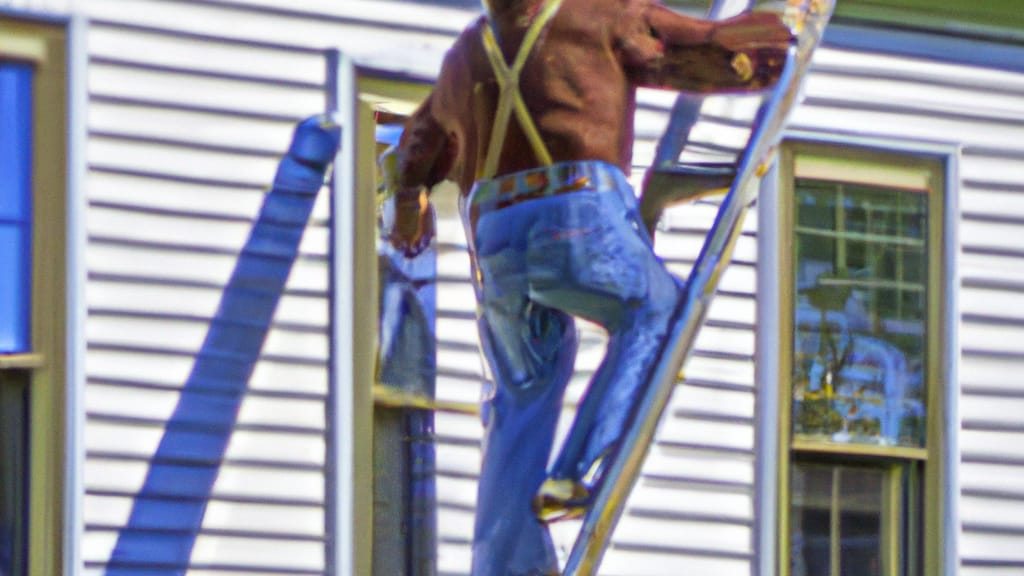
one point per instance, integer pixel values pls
(624, 470)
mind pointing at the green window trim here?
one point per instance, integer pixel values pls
(907, 172)
(44, 367)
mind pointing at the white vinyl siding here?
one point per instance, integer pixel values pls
(191, 103)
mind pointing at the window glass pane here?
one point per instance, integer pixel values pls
(860, 310)
(13, 472)
(837, 521)
(15, 206)
(860, 521)
(811, 520)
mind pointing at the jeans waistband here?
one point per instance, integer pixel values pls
(562, 178)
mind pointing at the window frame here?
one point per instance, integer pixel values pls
(355, 93)
(891, 498)
(940, 524)
(44, 44)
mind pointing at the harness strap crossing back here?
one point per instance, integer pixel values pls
(511, 98)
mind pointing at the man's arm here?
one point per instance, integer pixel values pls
(673, 51)
(422, 158)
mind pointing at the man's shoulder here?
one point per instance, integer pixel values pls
(468, 40)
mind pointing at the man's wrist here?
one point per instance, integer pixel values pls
(407, 199)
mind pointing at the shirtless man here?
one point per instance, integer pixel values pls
(532, 116)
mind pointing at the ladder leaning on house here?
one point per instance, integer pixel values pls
(670, 182)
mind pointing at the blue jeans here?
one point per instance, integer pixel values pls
(547, 245)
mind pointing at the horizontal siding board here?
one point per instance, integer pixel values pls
(736, 508)
(933, 98)
(245, 482)
(994, 548)
(190, 127)
(629, 562)
(286, 520)
(203, 92)
(994, 513)
(205, 165)
(993, 410)
(667, 463)
(384, 47)
(922, 69)
(390, 14)
(991, 268)
(140, 437)
(99, 569)
(170, 369)
(711, 401)
(188, 335)
(170, 48)
(130, 187)
(978, 201)
(727, 436)
(991, 337)
(840, 118)
(647, 533)
(125, 298)
(990, 303)
(116, 400)
(181, 264)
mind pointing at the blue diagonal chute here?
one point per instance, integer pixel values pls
(161, 531)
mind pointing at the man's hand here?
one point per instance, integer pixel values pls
(741, 54)
(408, 219)
(758, 42)
(752, 30)
(413, 226)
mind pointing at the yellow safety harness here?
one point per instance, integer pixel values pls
(511, 98)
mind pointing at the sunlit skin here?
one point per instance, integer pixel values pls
(579, 84)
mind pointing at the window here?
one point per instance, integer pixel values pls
(32, 295)
(860, 308)
(15, 293)
(15, 205)
(861, 471)
(364, 97)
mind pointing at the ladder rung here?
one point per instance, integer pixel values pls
(703, 169)
(680, 184)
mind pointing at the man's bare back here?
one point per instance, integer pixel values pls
(579, 84)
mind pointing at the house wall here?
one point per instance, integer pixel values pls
(190, 104)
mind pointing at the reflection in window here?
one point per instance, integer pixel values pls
(15, 205)
(15, 308)
(859, 338)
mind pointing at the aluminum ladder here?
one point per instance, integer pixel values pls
(671, 182)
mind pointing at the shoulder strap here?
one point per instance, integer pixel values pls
(511, 98)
